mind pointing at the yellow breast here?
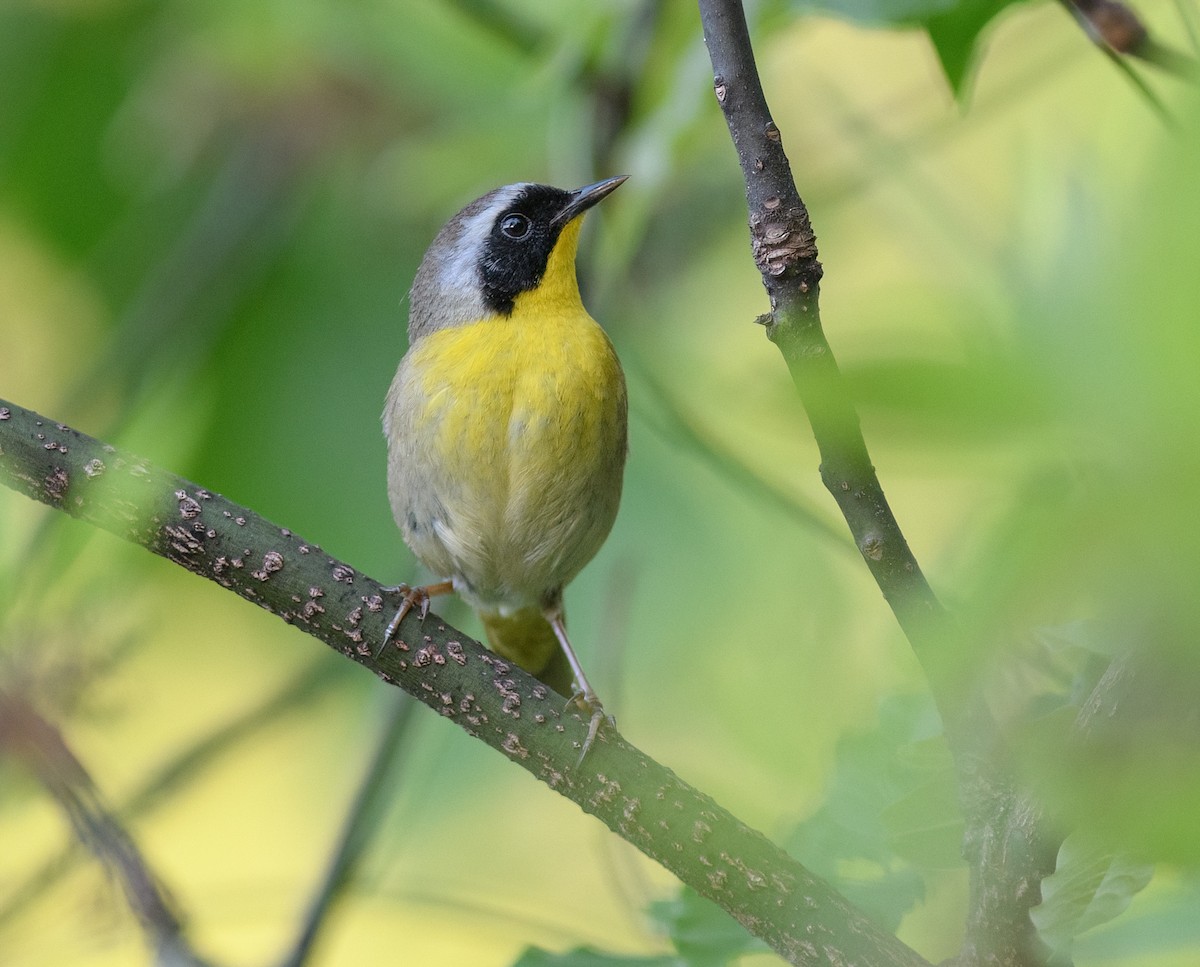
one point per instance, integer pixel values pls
(509, 440)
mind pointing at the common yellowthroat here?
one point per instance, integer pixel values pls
(506, 424)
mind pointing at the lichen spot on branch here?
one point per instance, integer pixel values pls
(782, 239)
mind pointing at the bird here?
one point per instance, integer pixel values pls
(507, 426)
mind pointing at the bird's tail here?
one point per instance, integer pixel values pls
(526, 638)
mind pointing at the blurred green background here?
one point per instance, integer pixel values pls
(209, 217)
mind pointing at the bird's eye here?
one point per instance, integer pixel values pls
(515, 225)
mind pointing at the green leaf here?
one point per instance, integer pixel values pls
(925, 826)
(955, 35)
(889, 814)
(703, 933)
(1090, 886)
(954, 26)
(1163, 927)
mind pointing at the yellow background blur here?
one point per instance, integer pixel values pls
(209, 217)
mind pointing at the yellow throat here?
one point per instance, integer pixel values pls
(506, 422)
(523, 417)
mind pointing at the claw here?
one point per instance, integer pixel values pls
(413, 597)
(585, 698)
(589, 702)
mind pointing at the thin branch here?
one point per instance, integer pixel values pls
(28, 737)
(360, 823)
(784, 247)
(1115, 28)
(668, 416)
(173, 776)
(799, 915)
(1007, 847)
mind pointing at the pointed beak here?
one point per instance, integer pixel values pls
(581, 199)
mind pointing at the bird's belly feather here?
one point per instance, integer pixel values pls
(506, 451)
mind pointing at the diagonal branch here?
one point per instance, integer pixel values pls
(774, 897)
(27, 736)
(785, 249)
(1114, 27)
(167, 781)
(1006, 844)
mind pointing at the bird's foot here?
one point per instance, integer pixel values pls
(588, 701)
(412, 598)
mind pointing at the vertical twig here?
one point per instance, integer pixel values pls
(361, 821)
(1006, 845)
(785, 250)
